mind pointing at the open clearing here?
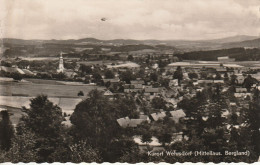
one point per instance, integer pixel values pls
(50, 89)
(14, 95)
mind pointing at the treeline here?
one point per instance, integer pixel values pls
(53, 49)
(240, 54)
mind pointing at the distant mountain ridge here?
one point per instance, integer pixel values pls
(228, 42)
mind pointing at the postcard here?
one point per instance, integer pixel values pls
(129, 81)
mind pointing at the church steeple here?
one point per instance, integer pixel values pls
(61, 66)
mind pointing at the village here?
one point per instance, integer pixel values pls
(159, 84)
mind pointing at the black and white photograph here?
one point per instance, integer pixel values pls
(129, 81)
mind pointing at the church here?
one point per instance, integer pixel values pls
(61, 69)
(61, 65)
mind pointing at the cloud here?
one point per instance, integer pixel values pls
(136, 19)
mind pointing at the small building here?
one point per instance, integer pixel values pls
(173, 83)
(112, 81)
(177, 115)
(240, 79)
(109, 94)
(61, 65)
(157, 116)
(127, 122)
(241, 90)
(219, 81)
(225, 59)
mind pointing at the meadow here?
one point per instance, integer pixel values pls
(49, 87)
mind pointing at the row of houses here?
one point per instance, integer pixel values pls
(16, 70)
(174, 115)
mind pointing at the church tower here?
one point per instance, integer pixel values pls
(61, 66)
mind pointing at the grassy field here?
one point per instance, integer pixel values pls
(60, 94)
(51, 89)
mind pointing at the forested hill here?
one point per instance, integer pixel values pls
(240, 54)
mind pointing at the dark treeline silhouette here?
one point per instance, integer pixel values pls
(240, 54)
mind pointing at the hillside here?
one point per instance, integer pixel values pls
(255, 43)
(19, 47)
(240, 54)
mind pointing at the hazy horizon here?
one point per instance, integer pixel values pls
(129, 19)
(133, 38)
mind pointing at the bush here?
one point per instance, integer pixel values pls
(80, 93)
(17, 76)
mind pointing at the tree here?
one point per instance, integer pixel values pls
(80, 93)
(158, 103)
(97, 77)
(226, 78)
(126, 106)
(130, 58)
(81, 152)
(6, 131)
(120, 147)
(59, 76)
(178, 74)
(85, 69)
(164, 82)
(253, 116)
(23, 148)
(44, 119)
(163, 129)
(16, 76)
(95, 118)
(233, 80)
(109, 74)
(154, 77)
(248, 82)
(218, 76)
(162, 63)
(203, 75)
(127, 76)
(193, 75)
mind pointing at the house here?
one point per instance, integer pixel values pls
(221, 70)
(11, 69)
(242, 95)
(171, 101)
(256, 76)
(154, 145)
(240, 79)
(178, 137)
(157, 116)
(152, 91)
(138, 84)
(225, 114)
(219, 81)
(176, 115)
(112, 81)
(109, 94)
(195, 83)
(127, 122)
(131, 88)
(170, 93)
(205, 81)
(225, 59)
(241, 90)
(173, 83)
(144, 117)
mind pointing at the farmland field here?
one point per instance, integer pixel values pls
(14, 95)
(50, 89)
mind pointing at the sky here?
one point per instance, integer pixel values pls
(129, 19)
